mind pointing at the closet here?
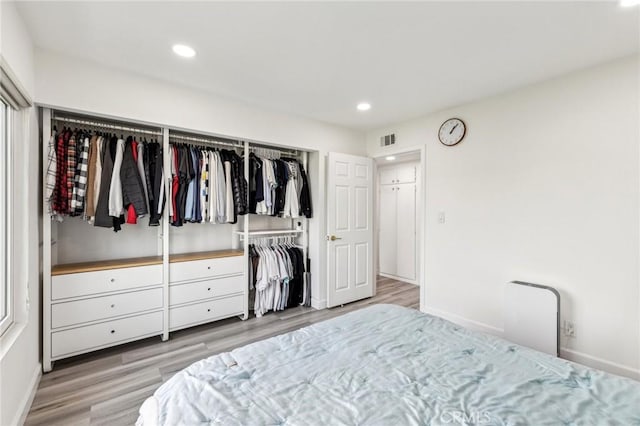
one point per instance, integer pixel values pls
(397, 210)
(179, 260)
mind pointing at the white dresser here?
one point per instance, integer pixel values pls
(206, 287)
(100, 304)
(95, 305)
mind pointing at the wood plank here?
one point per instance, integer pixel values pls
(103, 265)
(202, 255)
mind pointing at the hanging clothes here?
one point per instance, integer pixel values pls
(154, 174)
(278, 187)
(276, 276)
(51, 172)
(116, 203)
(221, 190)
(207, 185)
(140, 155)
(305, 195)
(89, 209)
(204, 186)
(100, 178)
(80, 176)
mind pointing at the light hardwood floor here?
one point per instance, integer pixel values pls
(108, 387)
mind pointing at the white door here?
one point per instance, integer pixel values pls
(387, 175)
(406, 173)
(349, 228)
(387, 242)
(406, 231)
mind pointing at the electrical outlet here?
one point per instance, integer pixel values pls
(569, 328)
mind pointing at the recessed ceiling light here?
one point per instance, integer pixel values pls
(390, 158)
(184, 50)
(629, 3)
(364, 106)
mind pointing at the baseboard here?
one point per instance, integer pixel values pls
(25, 404)
(393, 277)
(599, 363)
(465, 322)
(318, 304)
(565, 353)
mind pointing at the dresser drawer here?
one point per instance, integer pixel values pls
(104, 307)
(96, 336)
(200, 290)
(184, 316)
(207, 268)
(89, 283)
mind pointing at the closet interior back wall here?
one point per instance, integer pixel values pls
(197, 237)
(74, 240)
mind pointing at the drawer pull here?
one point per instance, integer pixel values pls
(113, 305)
(209, 310)
(209, 289)
(113, 331)
(112, 280)
(209, 267)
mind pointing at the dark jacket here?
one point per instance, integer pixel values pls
(305, 196)
(132, 189)
(102, 209)
(238, 182)
(152, 159)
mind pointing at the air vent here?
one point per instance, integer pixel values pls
(388, 140)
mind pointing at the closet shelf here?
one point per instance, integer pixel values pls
(217, 254)
(272, 232)
(102, 265)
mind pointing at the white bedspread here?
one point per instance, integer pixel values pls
(388, 365)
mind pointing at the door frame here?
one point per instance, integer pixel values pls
(420, 216)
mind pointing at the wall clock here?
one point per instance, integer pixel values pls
(452, 131)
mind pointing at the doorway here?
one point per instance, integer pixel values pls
(399, 217)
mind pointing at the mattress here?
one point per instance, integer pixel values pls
(389, 365)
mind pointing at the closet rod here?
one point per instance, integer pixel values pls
(107, 126)
(205, 141)
(279, 151)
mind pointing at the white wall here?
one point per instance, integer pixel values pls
(86, 86)
(69, 83)
(544, 188)
(20, 345)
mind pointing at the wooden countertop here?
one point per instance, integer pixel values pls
(217, 254)
(103, 265)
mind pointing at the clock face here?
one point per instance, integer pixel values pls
(452, 131)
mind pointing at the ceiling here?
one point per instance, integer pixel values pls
(320, 59)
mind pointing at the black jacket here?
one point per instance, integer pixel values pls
(238, 183)
(153, 174)
(132, 189)
(305, 196)
(102, 209)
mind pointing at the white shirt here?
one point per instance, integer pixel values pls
(116, 203)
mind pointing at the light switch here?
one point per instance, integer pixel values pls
(441, 217)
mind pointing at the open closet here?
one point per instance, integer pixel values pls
(148, 230)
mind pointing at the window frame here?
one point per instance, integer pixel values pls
(6, 172)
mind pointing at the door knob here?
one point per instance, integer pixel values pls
(333, 238)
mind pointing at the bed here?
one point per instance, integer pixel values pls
(389, 365)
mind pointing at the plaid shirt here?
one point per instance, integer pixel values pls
(60, 196)
(71, 173)
(80, 178)
(51, 173)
